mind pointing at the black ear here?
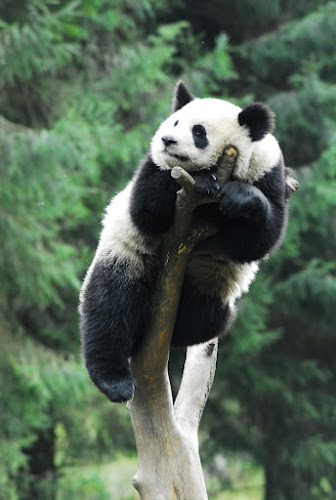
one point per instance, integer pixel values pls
(181, 96)
(258, 118)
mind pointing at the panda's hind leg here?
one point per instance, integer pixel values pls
(201, 316)
(114, 311)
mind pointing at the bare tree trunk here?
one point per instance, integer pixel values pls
(169, 465)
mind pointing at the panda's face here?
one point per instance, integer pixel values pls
(195, 136)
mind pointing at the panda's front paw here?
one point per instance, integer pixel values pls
(118, 390)
(206, 183)
(240, 200)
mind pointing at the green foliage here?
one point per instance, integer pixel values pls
(40, 40)
(83, 86)
(39, 388)
(287, 413)
(233, 477)
(89, 486)
(305, 133)
(241, 18)
(297, 47)
(213, 70)
(51, 391)
(323, 491)
(310, 290)
(111, 480)
(40, 174)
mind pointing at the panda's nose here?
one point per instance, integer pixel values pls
(167, 141)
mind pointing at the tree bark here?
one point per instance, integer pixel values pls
(169, 465)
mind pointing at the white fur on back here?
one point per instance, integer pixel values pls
(121, 240)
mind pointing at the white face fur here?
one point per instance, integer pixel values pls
(195, 136)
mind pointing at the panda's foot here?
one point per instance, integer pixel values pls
(118, 390)
(206, 183)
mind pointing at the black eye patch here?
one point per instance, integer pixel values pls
(199, 136)
(176, 123)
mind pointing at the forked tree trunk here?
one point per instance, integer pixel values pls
(169, 465)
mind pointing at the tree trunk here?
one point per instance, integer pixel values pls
(169, 465)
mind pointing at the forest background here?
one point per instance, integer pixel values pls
(83, 86)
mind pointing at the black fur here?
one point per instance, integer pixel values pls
(255, 216)
(258, 118)
(167, 141)
(206, 182)
(154, 195)
(153, 198)
(116, 310)
(181, 96)
(199, 136)
(203, 315)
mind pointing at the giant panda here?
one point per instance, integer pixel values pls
(250, 216)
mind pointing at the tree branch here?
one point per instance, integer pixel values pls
(198, 376)
(167, 443)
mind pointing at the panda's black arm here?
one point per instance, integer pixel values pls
(153, 198)
(254, 217)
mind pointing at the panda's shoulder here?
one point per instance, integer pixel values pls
(266, 156)
(275, 177)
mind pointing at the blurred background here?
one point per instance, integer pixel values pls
(83, 86)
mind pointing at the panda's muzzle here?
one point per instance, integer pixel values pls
(169, 141)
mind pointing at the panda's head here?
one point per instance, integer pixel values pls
(196, 134)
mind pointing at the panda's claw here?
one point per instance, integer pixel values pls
(206, 183)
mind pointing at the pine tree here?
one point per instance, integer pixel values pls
(72, 131)
(276, 371)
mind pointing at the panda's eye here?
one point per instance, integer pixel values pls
(199, 136)
(176, 123)
(199, 131)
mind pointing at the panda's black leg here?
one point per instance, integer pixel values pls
(114, 313)
(200, 317)
(254, 215)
